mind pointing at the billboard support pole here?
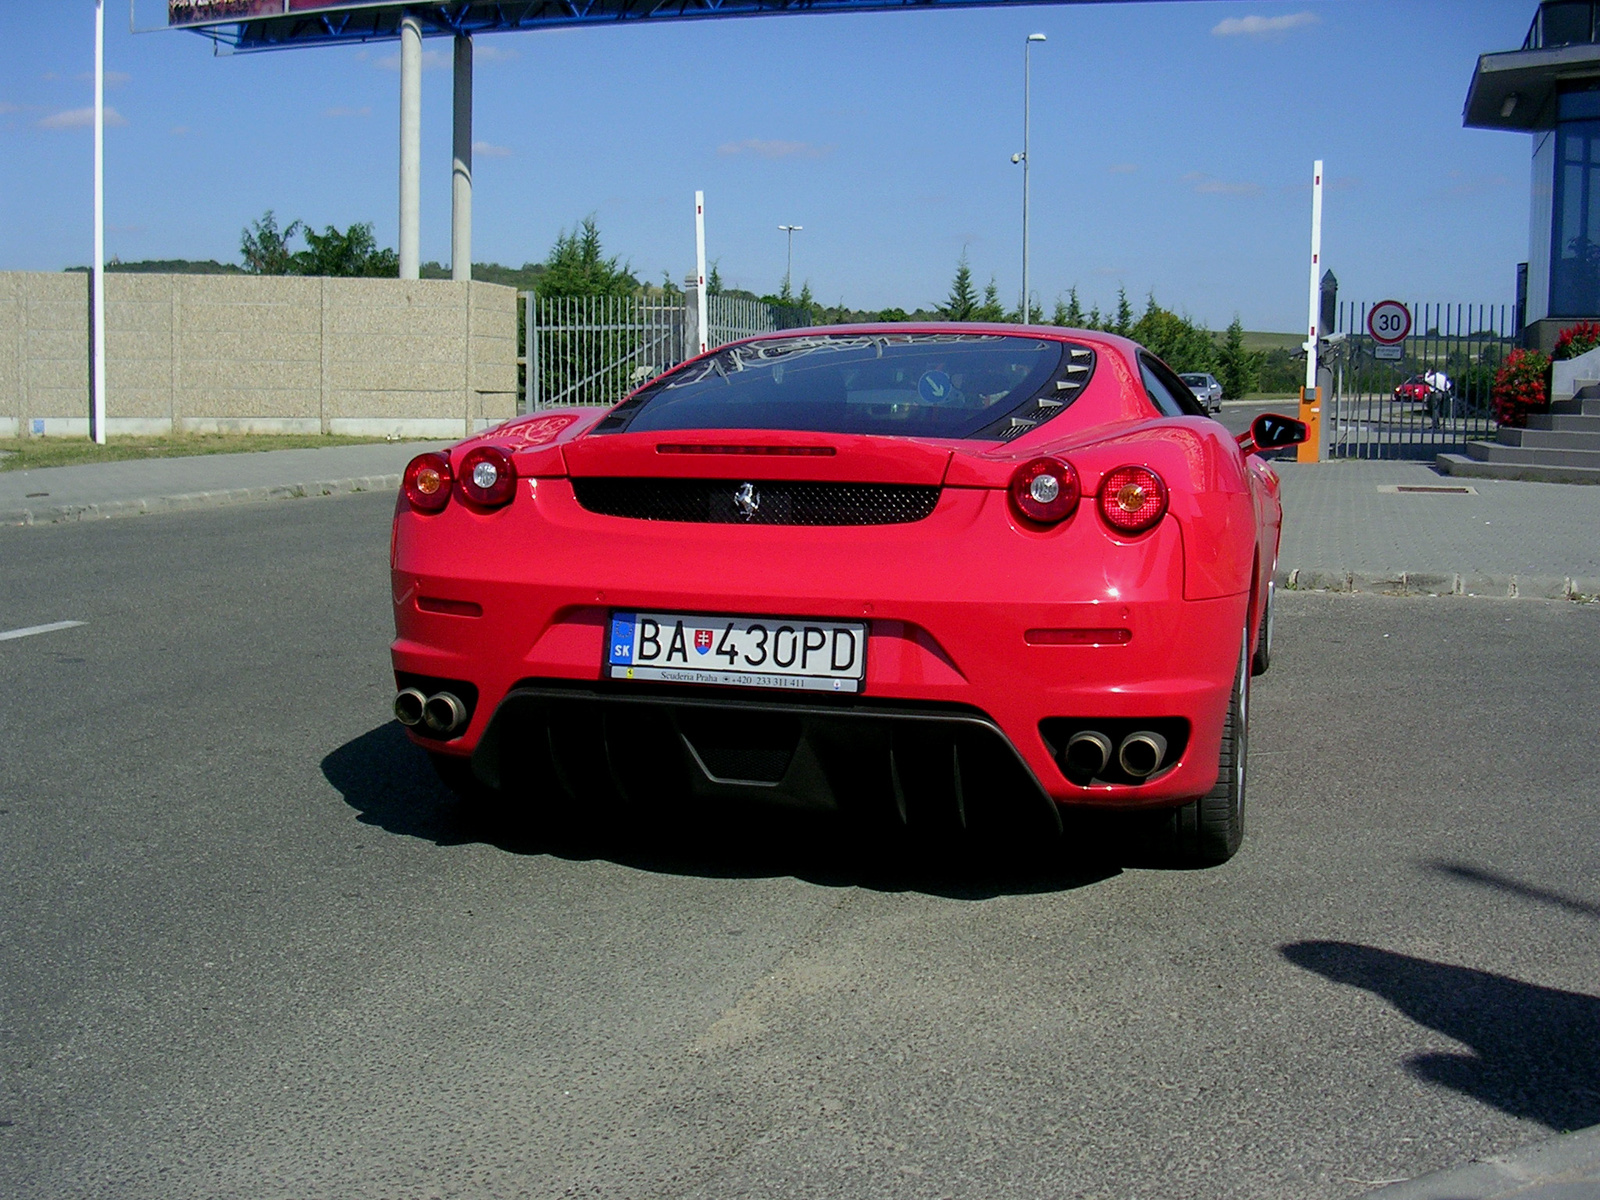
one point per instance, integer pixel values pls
(410, 142)
(461, 170)
(97, 276)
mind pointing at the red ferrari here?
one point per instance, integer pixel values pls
(951, 575)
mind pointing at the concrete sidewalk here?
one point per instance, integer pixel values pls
(141, 486)
(1560, 1168)
(1346, 525)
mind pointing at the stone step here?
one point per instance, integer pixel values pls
(1551, 439)
(1470, 468)
(1495, 452)
(1578, 424)
(1578, 406)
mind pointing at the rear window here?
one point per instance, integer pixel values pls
(954, 385)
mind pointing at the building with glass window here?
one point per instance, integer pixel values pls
(1551, 89)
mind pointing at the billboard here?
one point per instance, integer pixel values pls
(185, 13)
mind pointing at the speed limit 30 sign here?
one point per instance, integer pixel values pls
(1389, 322)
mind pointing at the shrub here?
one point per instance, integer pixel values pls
(1520, 386)
(1577, 339)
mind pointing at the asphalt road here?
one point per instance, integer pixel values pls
(248, 948)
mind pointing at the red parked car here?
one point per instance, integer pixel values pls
(948, 574)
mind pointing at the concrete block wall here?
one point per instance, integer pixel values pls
(259, 354)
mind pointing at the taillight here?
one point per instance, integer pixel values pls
(1045, 490)
(426, 482)
(1132, 499)
(488, 476)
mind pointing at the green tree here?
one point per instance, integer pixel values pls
(1069, 312)
(894, 314)
(265, 248)
(1095, 321)
(1177, 341)
(1237, 368)
(806, 302)
(1124, 319)
(353, 252)
(991, 309)
(668, 287)
(963, 302)
(577, 266)
(714, 280)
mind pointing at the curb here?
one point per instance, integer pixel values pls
(1435, 583)
(1558, 1162)
(138, 508)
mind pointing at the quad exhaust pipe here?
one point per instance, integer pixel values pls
(1141, 754)
(442, 714)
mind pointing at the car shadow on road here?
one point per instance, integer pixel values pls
(391, 784)
(1534, 1051)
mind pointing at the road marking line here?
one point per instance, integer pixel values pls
(9, 634)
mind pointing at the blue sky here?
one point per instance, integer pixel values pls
(1172, 147)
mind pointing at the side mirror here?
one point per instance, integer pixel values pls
(1272, 431)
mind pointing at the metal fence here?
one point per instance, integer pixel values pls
(596, 349)
(1429, 395)
(729, 318)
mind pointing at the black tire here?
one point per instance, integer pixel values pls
(456, 774)
(1262, 658)
(1208, 831)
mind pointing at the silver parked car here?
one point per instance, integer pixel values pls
(1206, 389)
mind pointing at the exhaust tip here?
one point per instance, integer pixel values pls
(408, 707)
(444, 714)
(1142, 753)
(1088, 752)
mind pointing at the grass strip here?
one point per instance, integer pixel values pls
(25, 454)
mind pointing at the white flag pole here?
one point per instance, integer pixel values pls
(700, 265)
(97, 275)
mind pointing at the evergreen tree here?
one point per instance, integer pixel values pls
(806, 302)
(714, 280)
(1094, 321)
(578, 267)
(991, 309)
(1069, 312)
(1124, 321)
(1237, 368)
(1177, 341)
(963, 302)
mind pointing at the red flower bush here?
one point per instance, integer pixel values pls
(1519, 384)
(1577, 339)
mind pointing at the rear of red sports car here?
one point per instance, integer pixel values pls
(946, 575)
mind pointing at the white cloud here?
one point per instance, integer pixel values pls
(113, 78)
(178, 130)
(490, 150)
(489, 52)
(1264, 26)
(773, 149)
(6, 108)
(340, 111)
(1205, 185)
(432, 60)
(1122, 168)
(80, 118)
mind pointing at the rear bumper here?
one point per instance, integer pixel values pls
(948, 602)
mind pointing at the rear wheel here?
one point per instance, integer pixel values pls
(456, 774)
(1262, 658)
(1207, 831)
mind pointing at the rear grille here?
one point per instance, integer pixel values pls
(717, 501)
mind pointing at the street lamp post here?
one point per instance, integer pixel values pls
(788, 274)
(1027, 86)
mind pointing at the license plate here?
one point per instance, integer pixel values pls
(763, 652)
